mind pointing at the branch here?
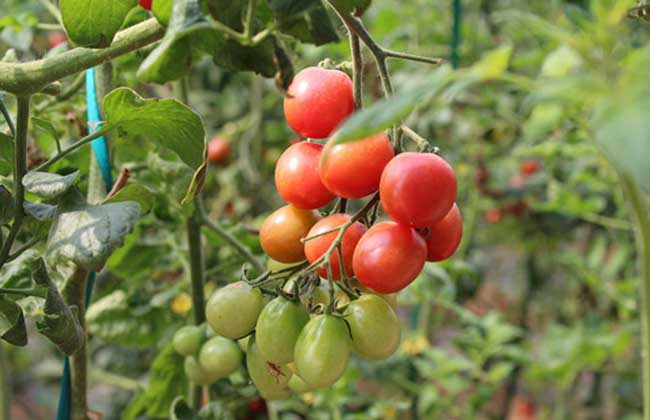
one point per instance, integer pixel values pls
(85, 140)
(31, 77)
(7, 116)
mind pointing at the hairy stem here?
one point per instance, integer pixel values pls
(357, 69)
(75, 294)
(31, 77)
(641, 211)
(20, 168)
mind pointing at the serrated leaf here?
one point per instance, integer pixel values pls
(87, 234)
(48, 185)
(40, 211)
(94, 23)
(390, 111)
(12, 322)
(7, 206)
(6, 154)
(167, 381)
(137, 193)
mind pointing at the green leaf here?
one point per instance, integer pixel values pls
(12, 322)
(7, 206)
(162, 10)
(493, 63)
(167, 381)
(135, 192)
(48, 185)
(6, 154)
(390, 111)
(350, 6)
(46, 126)
(166, 122)
(181, 410)
(292, 7)
(87, 234)
(132, 262)
(94, 23)
(59, 323)
(40, 211)
(17, 274)
(561, 62)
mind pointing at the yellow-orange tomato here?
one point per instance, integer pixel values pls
(283, 230)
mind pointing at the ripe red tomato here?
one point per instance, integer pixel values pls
(444, 236)
(418, 189)
(56, 38)
(317, 101)
(146, 4)
(297, 176)
(218, 150)
(389, 257)
(316, 247)
(493, 215)
(529, 167)
(353, 170)
(282, 231)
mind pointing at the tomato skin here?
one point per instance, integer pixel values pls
(218, 150)
(232, 311)
(188, 339)
(297, 176)
(282, 231)
(220, 357)
(317, 101)
(278, 328)
(316, 247)
(529, 167)
(270, 379)
(196, 373)
(146, 4)
(445, 236)
(418, 189)
(389, 257)
(353, 170)
(322, 351)
(375, 328)
(299, 386)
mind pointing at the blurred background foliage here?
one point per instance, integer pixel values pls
(535, 317)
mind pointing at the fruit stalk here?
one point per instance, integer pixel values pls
(641, 211)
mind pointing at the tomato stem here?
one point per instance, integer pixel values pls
(75, 294)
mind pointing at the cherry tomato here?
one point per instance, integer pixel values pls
(218, 150)
(375, 329)
(257, 406)
(317, 101)
(243, 343)
(418, 189)
(282, 231)
(529, 167)
(322, 351)
(220, 357)
(197, 373)
(353, 170)
(444, 236)
(298, 385)
(390, 298)
(187, 340)
(278, 328)
(314, 248)
(389, 257)
(297, 176)
(146, 4)
(270, 379)
(494, 215)
(232, 311)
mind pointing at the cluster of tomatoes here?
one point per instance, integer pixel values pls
(417, 191)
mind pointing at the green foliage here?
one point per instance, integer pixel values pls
(12, 322)
(49, 186)
(6, 154)
(94, 23)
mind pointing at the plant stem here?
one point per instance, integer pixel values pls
(7, 116)
(250, 16)
(5, 385)
(75, 294)
(31, 77)
(641, 210)
(420, 141)
(20, 168)
(85, 140)
(357, 69)
(196, 276)
(36, 292)
(109, 378)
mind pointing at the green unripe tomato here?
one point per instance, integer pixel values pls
(197, 373)
(243, 343)
(278, 328)
(375, 328)
(270, 379)
(232, 311)
(299, 386)
(322, 351)
(187, 340)
(275, 395)
(220, 357)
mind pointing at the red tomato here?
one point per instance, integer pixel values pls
(493, 215)
(444, 237)
(418, 189)
(146, 4)
(389, 257)
(317, 101)
(282, 231)
(529, 167)
(353, 170)
(56, 38)
(297, 176)
(218, 150)
(316, 247)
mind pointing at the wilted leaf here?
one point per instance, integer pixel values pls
(40, 211)
(94, 23)
(48, 185)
